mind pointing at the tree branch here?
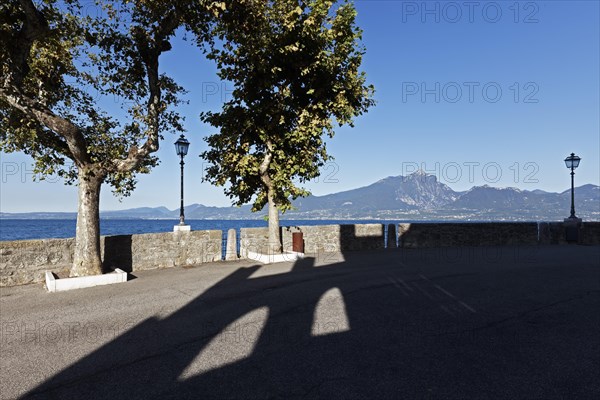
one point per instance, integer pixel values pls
(74, 139)
(263, 169)
(54, 142)
(34, 27)
(150, 50)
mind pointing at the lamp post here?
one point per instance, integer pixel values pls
(572, 224)
(181, 147)
(572, 162)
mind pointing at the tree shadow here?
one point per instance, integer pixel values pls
(118, 253)
(365, 326)
(283, 348)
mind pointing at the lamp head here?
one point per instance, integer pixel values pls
(181, 146)
(572, 161)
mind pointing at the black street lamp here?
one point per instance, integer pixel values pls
(181, 147)
(572, 162)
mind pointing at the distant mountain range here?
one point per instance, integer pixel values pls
(418, 196)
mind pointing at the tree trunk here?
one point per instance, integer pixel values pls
(87, 260)
(274, 234)
(274, 245)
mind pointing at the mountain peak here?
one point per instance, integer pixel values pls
(419, 172)
(421, 175)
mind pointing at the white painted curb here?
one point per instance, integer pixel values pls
(80, 282)
(274, 258)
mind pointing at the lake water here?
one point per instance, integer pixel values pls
(22, 229)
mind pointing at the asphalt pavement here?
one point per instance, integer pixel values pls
(456, 323)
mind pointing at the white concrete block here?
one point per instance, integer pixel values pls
(80, 282)
(274, 258)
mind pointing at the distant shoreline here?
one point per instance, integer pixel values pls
(398, 219)
(416, 197)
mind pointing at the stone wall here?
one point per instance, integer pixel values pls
(337, 238)
(253, 239)
(161, 250)
(492, 234)
(25, 261)
(590, 233)
(318, 238)
(467, 234)
(554, 233)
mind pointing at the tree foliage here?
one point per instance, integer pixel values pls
(61, 63)
(295, 70)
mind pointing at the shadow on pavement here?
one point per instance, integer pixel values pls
(344, 330)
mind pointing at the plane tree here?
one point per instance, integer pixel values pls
(61, 64)
(295, 67)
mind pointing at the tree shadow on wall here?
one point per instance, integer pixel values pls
(118, 253)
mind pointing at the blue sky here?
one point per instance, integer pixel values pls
(495, 93)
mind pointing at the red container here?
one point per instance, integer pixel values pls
(298, 242)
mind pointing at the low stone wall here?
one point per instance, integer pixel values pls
(161, 250)
(554, 233)
(467, 234)
(318, 238)
(420, 235)
(336, 238)
(25, 261)
(253, 239)
(590, 233)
